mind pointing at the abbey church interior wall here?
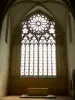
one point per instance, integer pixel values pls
(4, 57)
(70, 35)
(18, 85)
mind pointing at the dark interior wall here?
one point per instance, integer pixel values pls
(59, 85)
(4, 55)
(70, 37)
(18, 86)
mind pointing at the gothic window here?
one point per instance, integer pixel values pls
(38, 46)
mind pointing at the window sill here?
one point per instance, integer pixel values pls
(45, 77)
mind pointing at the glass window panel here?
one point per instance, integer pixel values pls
(22, 53)
(35, 56)
(22, 42)
(52, 30)
(54, 35)
(27, 64)
(45, 53)
(52, 26)
(40, 67)
(49, 67)
(45, 61)
(53, 54)
(40, 72)
(40, 64)
(22, 72)
(35, 66)
(31, 48)
(53, 41)
(25, 30)
(49, 72)
(40, 58)
(31, 55)
(45, 58)
(35, 72)
(27, 47)
(49, 64)
(45, 48)
(45, 72)
(40, 44)
(31, 59)
(45, 67)
(40, 49)
(26, 67)
(40, 61)
(36, 61)
(22, 61)
(38, 24)
(54, 68)
(27, 54)
(35, 53)
(49, 60)
(53, 48)
(22, 35)
(49, 55)
(22, 56)
(40, 55)
(31, 66)
(26, 59)
(53, 60)
(35, 50)
(23, 48)
(26, 72)
(36, 47)
(22, 66)
(49, 48)
(54, 72)
(31, 72)
(54, 64)
(49, 42)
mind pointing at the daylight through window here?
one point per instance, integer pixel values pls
(38, 47)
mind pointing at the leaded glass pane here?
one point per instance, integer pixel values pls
(26, 72)
(38, 48)
(22, 72)
(40, 72)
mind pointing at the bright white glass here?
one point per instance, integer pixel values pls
(45, 72)
(22, 66)
(31, 72)
(33, 59)
(40, 72)
(26, 72)
(22, 72)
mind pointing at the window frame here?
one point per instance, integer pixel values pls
(33, 76)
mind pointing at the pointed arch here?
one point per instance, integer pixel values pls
(38, 47)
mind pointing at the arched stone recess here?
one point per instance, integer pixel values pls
(20, 10)
(33, 9)
(57, 85)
